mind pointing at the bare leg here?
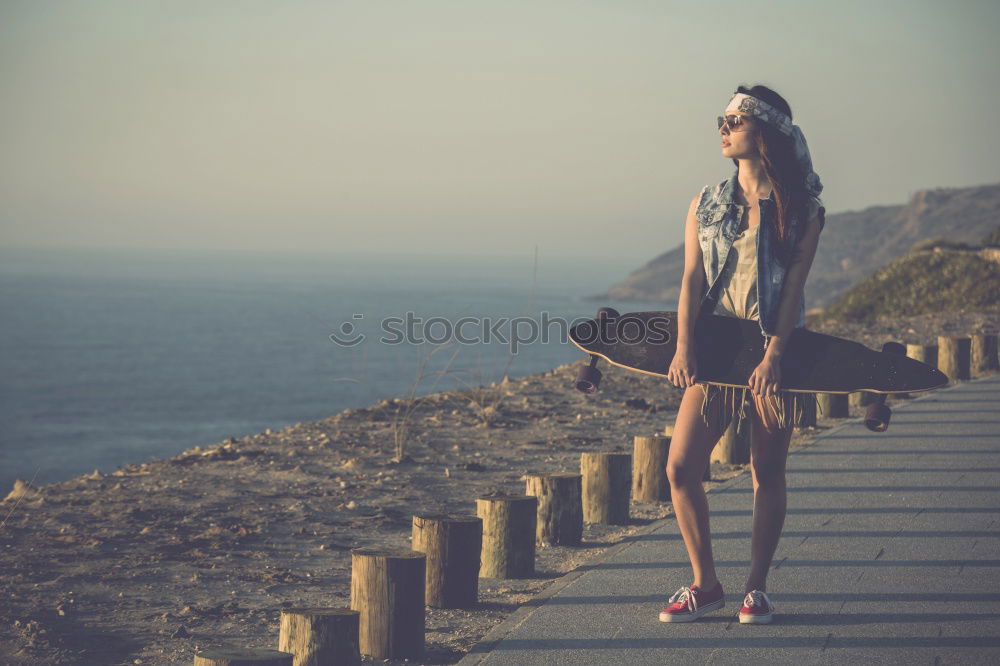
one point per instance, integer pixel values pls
(768, 455)
(690, 448)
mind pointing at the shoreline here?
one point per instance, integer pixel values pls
(920, 329)
(157, 560)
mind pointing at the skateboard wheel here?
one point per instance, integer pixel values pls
(894, 348)
(609, 313)
(877, 417)
(588, 379)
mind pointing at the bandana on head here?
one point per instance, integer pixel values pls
(780, 121)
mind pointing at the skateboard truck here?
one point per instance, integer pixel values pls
(878, 414)
(589, 377)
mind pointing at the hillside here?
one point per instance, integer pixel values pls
(934, 277)
(854, 244)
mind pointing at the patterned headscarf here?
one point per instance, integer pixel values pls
(780, 121)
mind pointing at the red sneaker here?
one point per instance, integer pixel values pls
(690, 603)
(757, 608)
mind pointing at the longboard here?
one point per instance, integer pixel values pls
(728, 350)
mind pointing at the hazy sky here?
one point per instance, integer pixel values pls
(464, 126)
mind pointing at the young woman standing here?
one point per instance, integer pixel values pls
(749, 243)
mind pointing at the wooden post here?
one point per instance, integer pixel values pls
(734, 447)
(984, 359)
(649, 469)
(668, 430)
(924, 353)
(860, 399)
(508, 535)
(453, 546)
(320, 636)
(235, 656)
(607, 486)
(387, 587)
(954, 356)
(833, 405)
(807, 419)
(927, 354)
(560, 508)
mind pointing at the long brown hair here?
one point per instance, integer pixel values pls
(777, 156)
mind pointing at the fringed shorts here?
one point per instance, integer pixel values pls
(727, 403)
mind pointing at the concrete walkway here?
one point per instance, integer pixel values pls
(889, 555)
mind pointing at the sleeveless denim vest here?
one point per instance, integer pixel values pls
(719, 215)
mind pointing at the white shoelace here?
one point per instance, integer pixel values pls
(685, 594)
(753, 598)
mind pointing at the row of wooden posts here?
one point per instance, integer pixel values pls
(391, 588)
(960, 357)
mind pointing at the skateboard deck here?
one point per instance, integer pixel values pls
(728, 350)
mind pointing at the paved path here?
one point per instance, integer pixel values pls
(889, 555)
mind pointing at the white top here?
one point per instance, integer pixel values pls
(738, 279)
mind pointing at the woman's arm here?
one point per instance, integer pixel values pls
(693, 282)
(683, 370)
(795, 282)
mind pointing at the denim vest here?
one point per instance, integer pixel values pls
(719, 217)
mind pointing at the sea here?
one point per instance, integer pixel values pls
(110, 357)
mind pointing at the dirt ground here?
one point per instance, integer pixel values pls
(154, 562)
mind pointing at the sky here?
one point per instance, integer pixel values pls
(462, 127)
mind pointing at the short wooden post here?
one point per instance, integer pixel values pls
(927, 354)
(734, 447)
(387, 587)
(984, 359)
(860, 399)
(807, 403)
(508, 535)
(236, 656)
(453, 546)
(607, 487)
(320, 636)
(560, 508)
(668, 430)
(954, 356)
(649, 469)
(924, 353)
(833, 405)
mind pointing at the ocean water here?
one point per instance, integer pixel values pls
(113, 357)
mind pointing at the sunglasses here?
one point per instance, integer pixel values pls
(733, 122)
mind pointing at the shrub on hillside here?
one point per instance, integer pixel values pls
(992, 238)
(920, 284)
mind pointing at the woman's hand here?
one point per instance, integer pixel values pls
(765, 380)
(683, 368)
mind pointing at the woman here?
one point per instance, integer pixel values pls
(748, 246)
